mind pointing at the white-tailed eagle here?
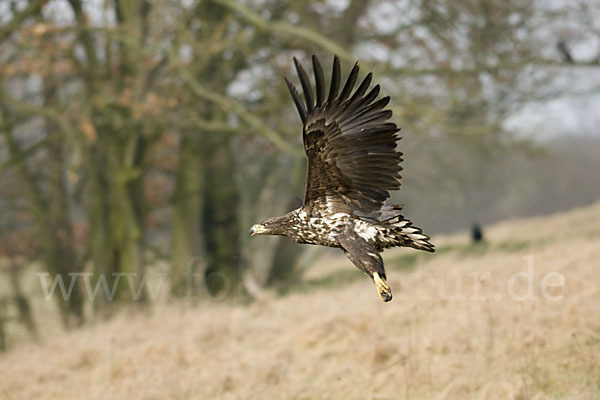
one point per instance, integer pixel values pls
(353, 165)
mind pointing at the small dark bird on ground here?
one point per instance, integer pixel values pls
(353, 164)
(476, 233)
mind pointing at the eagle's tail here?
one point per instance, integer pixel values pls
(402, 232)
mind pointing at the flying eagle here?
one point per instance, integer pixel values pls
(353, 165)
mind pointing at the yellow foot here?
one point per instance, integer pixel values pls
(383, 289)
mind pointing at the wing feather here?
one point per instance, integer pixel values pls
(335, 80)
(349, 84)
(361, 90)
(350, 144)
(306, 88)
(297, 100)
(319, 81)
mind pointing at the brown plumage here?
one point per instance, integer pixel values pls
(353, 164)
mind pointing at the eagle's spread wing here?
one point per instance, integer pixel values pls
(349, 143)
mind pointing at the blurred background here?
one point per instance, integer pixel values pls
(142, 137)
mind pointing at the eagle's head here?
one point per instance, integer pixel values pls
(259, 229)
(272, 226)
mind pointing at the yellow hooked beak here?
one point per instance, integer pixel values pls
(257, 229)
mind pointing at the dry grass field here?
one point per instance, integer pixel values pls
(515, 318)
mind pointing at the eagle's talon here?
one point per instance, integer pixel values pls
(387, 296)
(384, 291)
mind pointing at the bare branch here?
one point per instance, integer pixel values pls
(288, 29)
(229, 105)
(23, 154)
(33, 110)
(33, 8)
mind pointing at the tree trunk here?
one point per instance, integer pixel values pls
(52, 219)
(21, 300)
(127, 213)
(102, 250)
(187, 203)
(2, 323)
(223, 275)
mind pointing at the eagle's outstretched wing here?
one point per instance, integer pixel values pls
(350, 145)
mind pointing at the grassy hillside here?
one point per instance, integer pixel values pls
(469, 322)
